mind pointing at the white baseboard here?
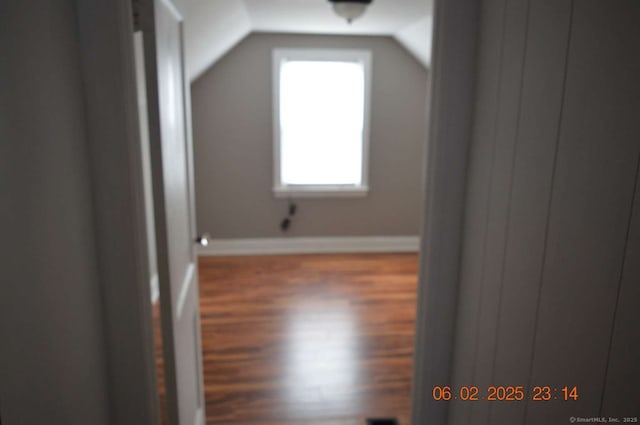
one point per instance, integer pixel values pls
(199, 417)
(155, 289)
(318, 245)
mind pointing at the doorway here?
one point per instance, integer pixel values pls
(406, 213)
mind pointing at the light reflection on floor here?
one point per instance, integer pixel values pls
(321, 353)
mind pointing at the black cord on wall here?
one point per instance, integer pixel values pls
(291, 211)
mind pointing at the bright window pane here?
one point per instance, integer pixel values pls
(321, 122)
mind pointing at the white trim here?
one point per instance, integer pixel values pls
(317, 245)
(354, 55)
(184, 289)
(311, 191)
(172, 8)
(155, 288)
(199, 417)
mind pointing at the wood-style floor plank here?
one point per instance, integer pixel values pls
(307, 339)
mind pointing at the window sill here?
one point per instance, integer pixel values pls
(320, 191)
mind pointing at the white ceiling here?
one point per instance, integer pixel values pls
(213, 27)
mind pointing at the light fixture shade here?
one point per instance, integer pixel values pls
(349, 10)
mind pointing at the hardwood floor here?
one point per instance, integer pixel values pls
(308, 339)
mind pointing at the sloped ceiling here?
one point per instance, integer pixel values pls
(413, 37)
(213, 27)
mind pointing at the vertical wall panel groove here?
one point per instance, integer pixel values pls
(487, 96)
(510, 195)
(624, 262)
(539, 275)
(623, 370)
(504, 144)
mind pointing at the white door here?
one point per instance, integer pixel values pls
(172, 177)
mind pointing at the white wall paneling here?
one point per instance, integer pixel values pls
(550, 242)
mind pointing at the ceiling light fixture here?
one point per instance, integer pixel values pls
(350, 9)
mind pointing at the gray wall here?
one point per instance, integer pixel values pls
(549, 286)
(52, 360)
(232, 124)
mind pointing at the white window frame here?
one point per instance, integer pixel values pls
(282, 190)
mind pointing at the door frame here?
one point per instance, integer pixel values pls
(106, 44)
(452, 103)
(105, 31)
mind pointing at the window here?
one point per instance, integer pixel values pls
(321, 122)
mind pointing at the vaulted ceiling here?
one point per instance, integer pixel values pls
(213, 27)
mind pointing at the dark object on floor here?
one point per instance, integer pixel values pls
(383, 421)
